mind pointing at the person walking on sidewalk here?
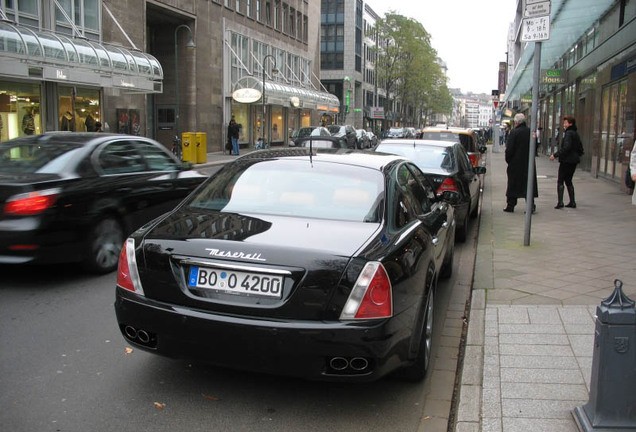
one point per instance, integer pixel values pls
(569, 155)
(233, 133)
(517, 157)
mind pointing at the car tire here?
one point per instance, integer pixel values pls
(447, 266)
(417, 371)
(462, 231)
(104, 246)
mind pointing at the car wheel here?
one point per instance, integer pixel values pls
(447, 266)
(417, 371)
(462, 231)
(105, 243)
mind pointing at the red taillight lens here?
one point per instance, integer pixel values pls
(371, 297)
(31, 203)
(127, 273)
(447, 185)
(123, 271)
(474, 159)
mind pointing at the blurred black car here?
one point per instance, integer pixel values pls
(362, 139)
(68, 197)
(348, 132)
(316, 265)
(450, 169)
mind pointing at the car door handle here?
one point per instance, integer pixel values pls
(435, 241)
(445, 224)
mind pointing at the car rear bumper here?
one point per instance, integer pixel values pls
(19, 246)
(305, 349)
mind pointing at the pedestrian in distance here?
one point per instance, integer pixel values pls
(233, 133)
(98, 126)
(517, 158)
(569, 155)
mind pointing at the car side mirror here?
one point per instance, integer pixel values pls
(479, 170)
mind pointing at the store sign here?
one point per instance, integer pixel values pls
(377, 113)
(552, 76)
(246, 95)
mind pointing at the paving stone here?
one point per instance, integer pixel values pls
(469, 404)
(467, 427)
(546, 376)
(582, 345)
(536, 350)
(476, 328)
(538, 362)
(491, 403)
(473, 365)
(575, 315)
(551, 329)
(539, 409)
(513, 316)
(544, 315)
(533, 339)
(491, 425)
(562, 392)
(538, 425)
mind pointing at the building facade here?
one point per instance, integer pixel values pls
(588, 71)
(168, 67)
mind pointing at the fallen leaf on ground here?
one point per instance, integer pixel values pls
(159, 405)
(427, 418)
(129, 350)
(214, 398)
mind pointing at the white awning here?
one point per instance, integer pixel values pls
(31, 54)
(282, 94)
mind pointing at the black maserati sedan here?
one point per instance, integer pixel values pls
(75, 197)
(450, 169)
(315, 265)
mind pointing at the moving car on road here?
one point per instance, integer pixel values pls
(67, 197)
(321, 266)
(448, 166)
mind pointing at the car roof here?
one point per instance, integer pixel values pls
(371, 160)
(81, 138)
(422, 142)
(449, 129)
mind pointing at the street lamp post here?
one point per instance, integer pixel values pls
(189, 45)
(263, 95)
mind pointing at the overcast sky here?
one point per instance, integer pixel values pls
(469, 35)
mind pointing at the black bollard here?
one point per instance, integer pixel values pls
(612, 402)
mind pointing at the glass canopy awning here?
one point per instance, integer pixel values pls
(282, 94)
(31, 54)
(569, 20)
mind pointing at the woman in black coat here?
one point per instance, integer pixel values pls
(569, 155)
(517, 157)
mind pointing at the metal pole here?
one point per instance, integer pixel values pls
(263, 95)
(176, 73)
(533, 142)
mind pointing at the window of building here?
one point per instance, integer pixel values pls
(85, 15)
(291, 27)
(248, 8)
(268, 12)
(277, 14)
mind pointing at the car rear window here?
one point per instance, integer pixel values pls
(36, 157)
(425, 157)
(296, 188)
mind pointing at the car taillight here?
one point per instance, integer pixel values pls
(447, 185)
(127, 273)
(31, 203)
(371, 297)
(474, 159)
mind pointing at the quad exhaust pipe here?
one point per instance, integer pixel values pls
(140, 336)
(343, 364)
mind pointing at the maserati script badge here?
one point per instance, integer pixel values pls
(229, 254)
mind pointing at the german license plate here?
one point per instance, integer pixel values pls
(236, 282)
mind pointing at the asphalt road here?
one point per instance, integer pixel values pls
(64, 366)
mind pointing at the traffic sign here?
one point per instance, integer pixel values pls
(496, 103)
(535, 29)
(537, 9)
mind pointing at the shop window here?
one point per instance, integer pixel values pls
(19, 110)
(278, 123)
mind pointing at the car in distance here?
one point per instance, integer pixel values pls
(74, 197)
(396, 132)
(346, 131)
(329, 144)
(467, 137)
(362, 139)
(373, 139)
(308, 131)
(315, 265)
(448, 166)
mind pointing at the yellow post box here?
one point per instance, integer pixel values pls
(201, 140)
(188, 151)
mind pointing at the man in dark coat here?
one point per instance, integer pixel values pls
(517, 156)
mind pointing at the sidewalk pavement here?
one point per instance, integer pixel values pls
(528, 356)
(529, 347)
